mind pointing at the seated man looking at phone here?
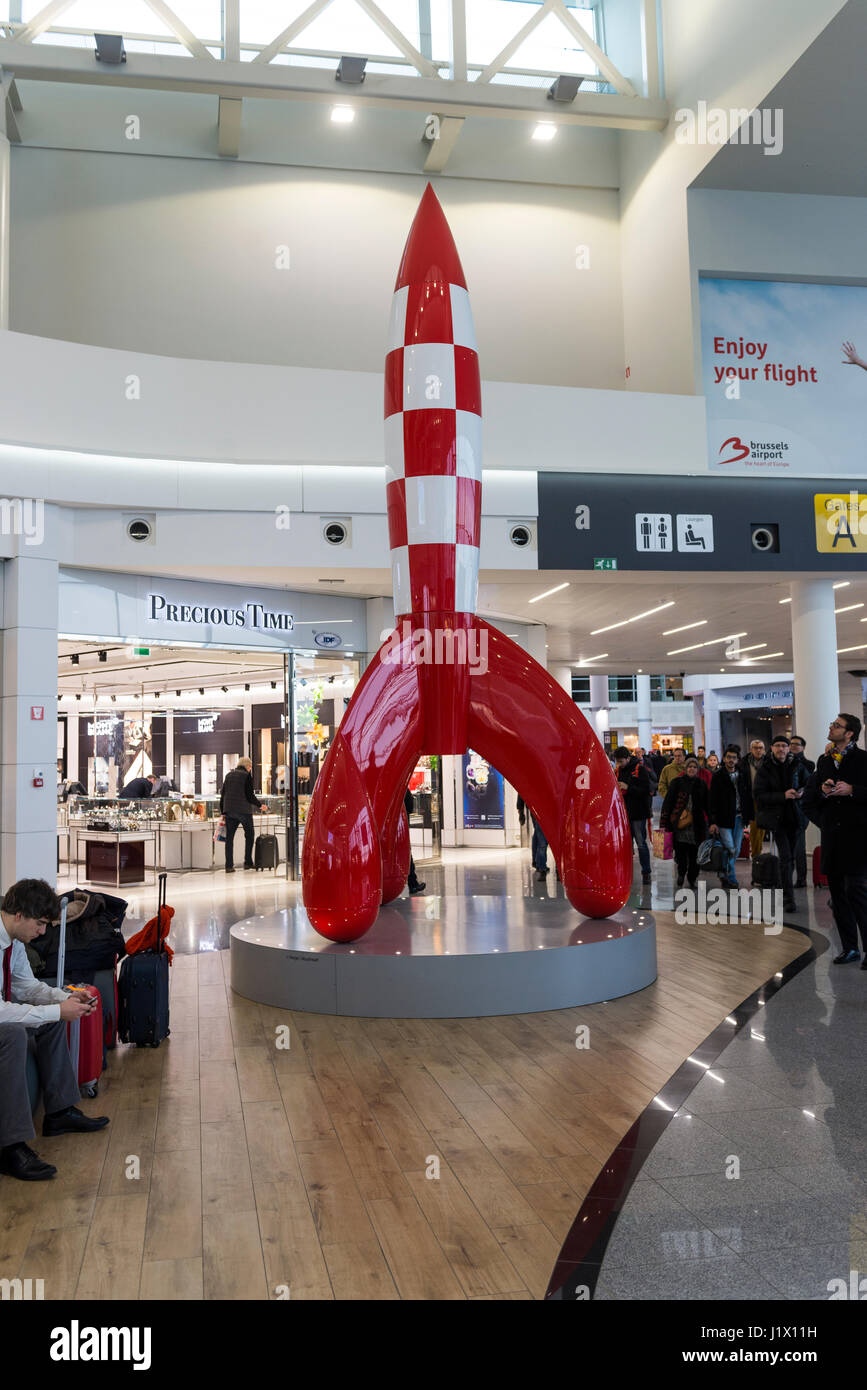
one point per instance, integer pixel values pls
(33, 1017)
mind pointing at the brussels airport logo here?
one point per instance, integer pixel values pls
(723, 907)
(704, 125)
(23, 516)
(756, 452)
(421, 646)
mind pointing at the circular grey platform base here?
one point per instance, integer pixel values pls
(446, 957)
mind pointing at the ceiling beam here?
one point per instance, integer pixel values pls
(291, 31)
(399, 39)
(450, 128)
(41, 21)
(602, 61)
(515, 42)
(162, 72)
(232, 30)
(229, 126)
(179, 29)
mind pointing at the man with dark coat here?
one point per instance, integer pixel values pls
(238, 801)
(803, 771)
(725, 813)
(137, 789)
(835, 799)
(633, 780)
(748, 769)
(775, 796)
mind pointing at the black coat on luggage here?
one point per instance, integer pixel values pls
(841, 819)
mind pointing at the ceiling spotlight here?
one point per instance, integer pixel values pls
(225, 689)
(78, 697)
(201, 690)
(246, 685)
(177, 692)
(342, 115)
(565, 88)
(114, 697)
(351, 69)
(156, 694)
(273, 685)
(103, 656)
(109, 48)
(74, 658)
(545, 130)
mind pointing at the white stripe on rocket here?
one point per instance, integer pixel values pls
(432, 510)
(429, 377)
(397, 319)
(466, 578)
(400, 580)
(463, 332)
(468, 439)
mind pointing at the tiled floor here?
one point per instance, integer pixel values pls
(758, 1187)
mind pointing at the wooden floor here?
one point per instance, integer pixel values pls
(308, 1172)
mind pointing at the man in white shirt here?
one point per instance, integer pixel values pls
(33, 1017)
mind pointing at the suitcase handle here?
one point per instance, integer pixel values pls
(161, 903)
(61, 945)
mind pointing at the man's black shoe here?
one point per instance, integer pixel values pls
(847, 958)
(790, 906)
(18, 1161)
(72, 1121)
(416, 888)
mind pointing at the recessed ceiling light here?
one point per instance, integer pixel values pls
(842, 584)
(549, 592)
(343, 115)
(545, 130)
(785, 600)
(669, 632)
(850, 607)
(859, 648)
(584, 660)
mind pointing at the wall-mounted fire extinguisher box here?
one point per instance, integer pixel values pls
(38, 779)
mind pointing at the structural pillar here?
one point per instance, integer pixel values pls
(814, 652)
(599, 706)
(645, 720)
(28, 839)
(5, 226)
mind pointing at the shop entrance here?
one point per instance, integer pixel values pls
(147, 735)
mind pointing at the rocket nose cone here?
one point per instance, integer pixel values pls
(430, 252)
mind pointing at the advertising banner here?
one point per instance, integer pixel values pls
(785, 377)
(484, 807)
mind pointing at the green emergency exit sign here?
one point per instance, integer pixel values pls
(146, 651)
(605, 564)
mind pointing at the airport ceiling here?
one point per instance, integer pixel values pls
(824, 109)
(714, 607)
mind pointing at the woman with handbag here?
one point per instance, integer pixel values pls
(684, 813)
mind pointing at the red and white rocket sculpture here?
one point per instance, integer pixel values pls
(445, 680)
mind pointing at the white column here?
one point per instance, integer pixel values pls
(170, 747)
(5, 168)
(28, 841)
(563, 676)
(645, 720)
(814, 649)
(72, 748)
(712, 726)
(599, 706)
(534, 643)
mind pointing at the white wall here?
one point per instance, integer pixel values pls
(177, 256)
(729, 53)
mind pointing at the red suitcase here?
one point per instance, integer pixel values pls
(819, 879)
(744, 852)
(84, 1034)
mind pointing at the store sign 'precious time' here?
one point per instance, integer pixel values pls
(251, 615)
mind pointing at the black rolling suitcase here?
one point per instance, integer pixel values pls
(143, 991)
(266, 853)
(766, 871)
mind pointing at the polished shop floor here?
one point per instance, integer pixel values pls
(414, 1159)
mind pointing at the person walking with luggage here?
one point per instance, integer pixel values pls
(684, 812)
(775, 796)
(804, 768)
(724, 813)
(33, 1019)
(634, 783)
(238, 801)
(749, 767)
(835, 799)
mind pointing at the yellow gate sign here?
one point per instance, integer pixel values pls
(841, 523)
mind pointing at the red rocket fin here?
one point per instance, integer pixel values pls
(525, 725)
(356, 840)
